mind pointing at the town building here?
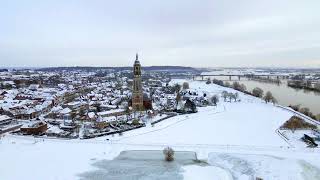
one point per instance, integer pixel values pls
(137, 94)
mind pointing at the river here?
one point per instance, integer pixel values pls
(284, 94)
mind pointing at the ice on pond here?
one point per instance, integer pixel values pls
(142, 165)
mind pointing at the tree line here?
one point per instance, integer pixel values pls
(267, 97)
(257, 92)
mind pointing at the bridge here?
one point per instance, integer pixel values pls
(239, 76)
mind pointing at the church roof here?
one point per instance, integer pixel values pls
(137, 60)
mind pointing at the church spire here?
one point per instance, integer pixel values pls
(137, 93)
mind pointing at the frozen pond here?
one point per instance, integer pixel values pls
(142, 165)
(149, 165)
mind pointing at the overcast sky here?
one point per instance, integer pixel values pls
(199, 33)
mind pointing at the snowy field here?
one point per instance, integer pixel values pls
(237, 139)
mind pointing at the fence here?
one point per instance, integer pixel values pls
(159, 120)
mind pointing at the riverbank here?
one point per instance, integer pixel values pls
(285, 95)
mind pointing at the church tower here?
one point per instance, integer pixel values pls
(137, 94)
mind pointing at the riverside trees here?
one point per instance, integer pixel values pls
(258, 92)
(269, 98)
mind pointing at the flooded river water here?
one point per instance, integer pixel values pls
(284, 94)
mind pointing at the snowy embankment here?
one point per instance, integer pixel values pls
(209, 172)
(239, 137)
(250, 123)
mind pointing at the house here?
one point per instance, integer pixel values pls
(34, 128)
(34, 87)
(92, 116)
(24, 112)
(4, 119)
(67, 125)
(65, 113)
(109, 119)
(74, 105)
(113, 112)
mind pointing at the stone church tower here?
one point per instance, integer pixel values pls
(137, 94)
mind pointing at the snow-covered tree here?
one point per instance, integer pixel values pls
(268, 97)
(236, 85)
(258, 92)
(225, 95)
(235, 96)
(230, 96)
(243, 87)
(168, 154)
(185, 85)
(214, 100)
(208, 81)
(177, 88)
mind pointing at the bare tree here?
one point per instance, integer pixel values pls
(225, 95)
(168, 154)
(185, 85)
(235, 96)
(305, 111)
(82, 111)
(236, 85)
(177, 87)
(268, 97)
(230, 96)
(215, 99)
(295, 107)
(218, 82)
(258, 92)
(208, 81)
(243, 87)
(274, 101)
(178, 98)
(309, 83)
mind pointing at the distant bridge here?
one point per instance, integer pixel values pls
(278, 76)
(239, 76)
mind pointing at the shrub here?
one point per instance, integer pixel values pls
(225, 95)
(208, 81)
(185, 85)
(168, 154)
(218, 82)
(268, 97)
(243, 88)
(235, 96)
(258, 92)
(236, 85)
(295, 107)
(214, 99)
(135, 122)
(177, 88)
(296, 122)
